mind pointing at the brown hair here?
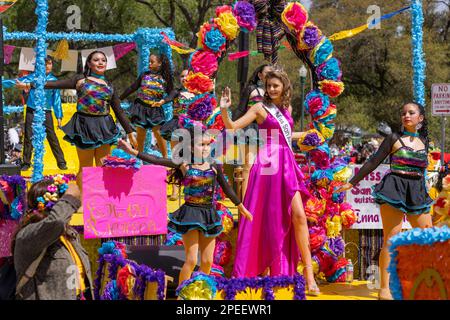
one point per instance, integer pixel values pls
(287, 87)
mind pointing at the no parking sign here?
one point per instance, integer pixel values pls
(440, 98)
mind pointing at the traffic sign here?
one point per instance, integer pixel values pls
(440, 99)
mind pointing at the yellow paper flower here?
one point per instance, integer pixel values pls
(343, 175)
(333, 226)
(227, 23)
(198, 290)
(326, 132)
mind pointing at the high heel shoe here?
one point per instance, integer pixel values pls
(312, 290)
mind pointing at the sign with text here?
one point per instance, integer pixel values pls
(119, 202)
(360, 197)
(440, 99)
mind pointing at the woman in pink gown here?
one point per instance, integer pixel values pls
(278, 234)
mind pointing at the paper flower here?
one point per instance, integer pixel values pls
(198, 83)
(322, 52)
(245, 15)
(309, 37)
(294, 16)
(309, 140)
(227, 23)
(199, 287)
(348, 215)
(329, 70)
(210, 37)
(316, 103)
(203, 62)
(202, 108)
(331, 88)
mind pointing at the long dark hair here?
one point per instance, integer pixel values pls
(251, 84)
(32, 215)
(165, 71)
(87, 69)
(176, 175)
(423, 131)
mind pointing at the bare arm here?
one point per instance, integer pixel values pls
(250, 116)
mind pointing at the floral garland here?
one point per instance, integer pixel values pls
(114, 254)
(232, 286)
(418, 60)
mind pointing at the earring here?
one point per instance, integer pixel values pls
(419, 126)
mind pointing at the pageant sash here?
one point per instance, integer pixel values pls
(282, 121)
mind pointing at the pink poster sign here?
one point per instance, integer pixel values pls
(119, 202)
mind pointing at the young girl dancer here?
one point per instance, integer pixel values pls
(403, 189)
(196, 219)
(154, 86)
(92, 129)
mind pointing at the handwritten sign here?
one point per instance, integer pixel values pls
(118, 202)
(360, 197)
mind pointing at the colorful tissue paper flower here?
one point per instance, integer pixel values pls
(126, 279)
(245, 15)
(227, 23)
(328, 116)
(338, 272)
(202, 108)
(317, 238)
(316, 103)
(227, 222)
(337, 245)
(326, 130)
(322, 52)
(331, 88)
(173, 239)
(222, 252)
(309, 140)
(348, 218)
(199, 287)
(309, 37)
(320, 158)
(294, 16)
(205, 62)
(210, 37)
(333, 226)
(342, 175)
(198, 83)
(329, 70)
(223, 9)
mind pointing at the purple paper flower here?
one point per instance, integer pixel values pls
(311, 36)
(245, 15)
(336, 245)
(311, 139)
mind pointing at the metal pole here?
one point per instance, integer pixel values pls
(443, 120)
(302, 98)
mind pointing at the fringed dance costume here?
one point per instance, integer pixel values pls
(198, 212)
(151, 88)
(92, 125)
(403, 187)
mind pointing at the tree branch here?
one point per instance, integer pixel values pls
(159, 17)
